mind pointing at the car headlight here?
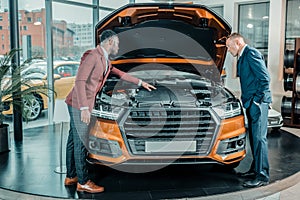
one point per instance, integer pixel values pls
(107, 111)
(228, 110)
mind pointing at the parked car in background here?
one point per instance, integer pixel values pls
(64, 78)
(275, 120)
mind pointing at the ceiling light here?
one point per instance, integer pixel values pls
(249, 25)
(265, 17)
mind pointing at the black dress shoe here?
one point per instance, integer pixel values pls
(255, 183)
(248, 174)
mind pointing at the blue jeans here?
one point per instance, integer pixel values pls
(258, 128)
(76, 151)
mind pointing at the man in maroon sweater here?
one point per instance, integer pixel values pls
(92, 74)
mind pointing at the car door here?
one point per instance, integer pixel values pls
(64, 76)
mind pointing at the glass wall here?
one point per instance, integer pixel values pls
(73, 25)
(218, 9)
(72, 33)
(111, 4)
(4, 32)
(254, 25)
(292, 30)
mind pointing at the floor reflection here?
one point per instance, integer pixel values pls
(29, 167)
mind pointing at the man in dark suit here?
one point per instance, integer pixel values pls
(92, 73)
(256, 96)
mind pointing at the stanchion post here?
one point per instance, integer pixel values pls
(61, 169)
(61, 115)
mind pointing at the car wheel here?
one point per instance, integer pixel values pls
(229, 168)
(233, 165)
(32, 108)
(275, 128)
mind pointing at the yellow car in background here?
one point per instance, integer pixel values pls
(64, 78)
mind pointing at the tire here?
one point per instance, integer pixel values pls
(233, 165)
(275, 128)
(32, 109)
(229, 168)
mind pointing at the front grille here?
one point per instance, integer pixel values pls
(167, 125)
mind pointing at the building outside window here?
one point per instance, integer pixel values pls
(254, 25)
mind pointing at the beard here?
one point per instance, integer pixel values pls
(114, 51)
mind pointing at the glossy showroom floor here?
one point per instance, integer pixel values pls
(29, 168)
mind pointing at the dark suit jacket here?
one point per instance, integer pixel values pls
(90, 79)
(254, 77)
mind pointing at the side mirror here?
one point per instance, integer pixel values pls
(56, 76)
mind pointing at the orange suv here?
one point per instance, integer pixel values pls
(191, 117)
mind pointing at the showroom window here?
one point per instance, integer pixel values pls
(112, 5)
(218, 9)
(72, 28)
(292, 30)
(254, 25)
(69, 25)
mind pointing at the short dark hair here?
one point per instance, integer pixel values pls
(235, 35)
(106, 34)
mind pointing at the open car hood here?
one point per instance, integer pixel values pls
(168, 33)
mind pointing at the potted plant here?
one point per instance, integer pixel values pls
(10, 85)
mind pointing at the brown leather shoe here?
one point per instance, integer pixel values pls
(90, 187)
(71, 181)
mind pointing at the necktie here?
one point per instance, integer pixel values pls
(237, 67)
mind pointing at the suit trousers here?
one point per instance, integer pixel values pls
(76, 151)
(258, 127)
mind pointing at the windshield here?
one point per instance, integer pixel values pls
(36, 71)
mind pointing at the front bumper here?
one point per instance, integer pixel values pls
(108, 146)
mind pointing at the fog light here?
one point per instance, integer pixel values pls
(231, 145)
(240, 142)
(94, 145)
(104, 147)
